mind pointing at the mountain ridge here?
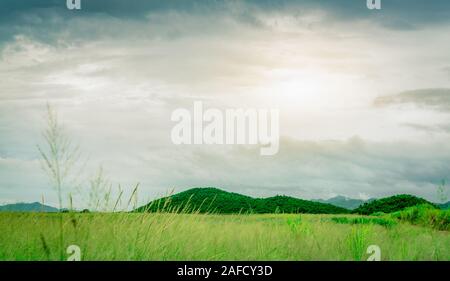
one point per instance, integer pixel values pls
(28, 207)
(343, 201)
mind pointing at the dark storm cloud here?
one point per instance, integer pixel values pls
(42, 18)
(46, 20)
(396, 14)
(419, 10)
(438, 99)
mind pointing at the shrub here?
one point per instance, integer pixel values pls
(425, 215)
(390, 204)
(380, 221)
(356, 241)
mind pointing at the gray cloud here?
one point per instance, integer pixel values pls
(304, 169)
(446, 70)
(438, 99)
(117, 69)
(439, 128)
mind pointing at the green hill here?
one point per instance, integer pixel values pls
(390, 204)
(210, 199)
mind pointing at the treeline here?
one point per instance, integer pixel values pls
(390, 204)
(213, 200)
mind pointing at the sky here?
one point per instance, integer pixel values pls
(363, 95)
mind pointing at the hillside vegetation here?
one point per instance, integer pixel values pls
(445, 206)
(213, 200)
(390, 204)
(426, 215)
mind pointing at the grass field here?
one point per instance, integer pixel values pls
(159, 236)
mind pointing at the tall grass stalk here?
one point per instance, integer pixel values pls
(58, 158)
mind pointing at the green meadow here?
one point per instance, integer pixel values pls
(171, 236)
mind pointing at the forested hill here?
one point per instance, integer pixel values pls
(390, 204)
(213, 200)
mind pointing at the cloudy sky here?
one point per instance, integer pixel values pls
(363, 95)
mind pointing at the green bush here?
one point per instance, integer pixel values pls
(357, 241)
(425, 215)
(390, 204)
(380, 221)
